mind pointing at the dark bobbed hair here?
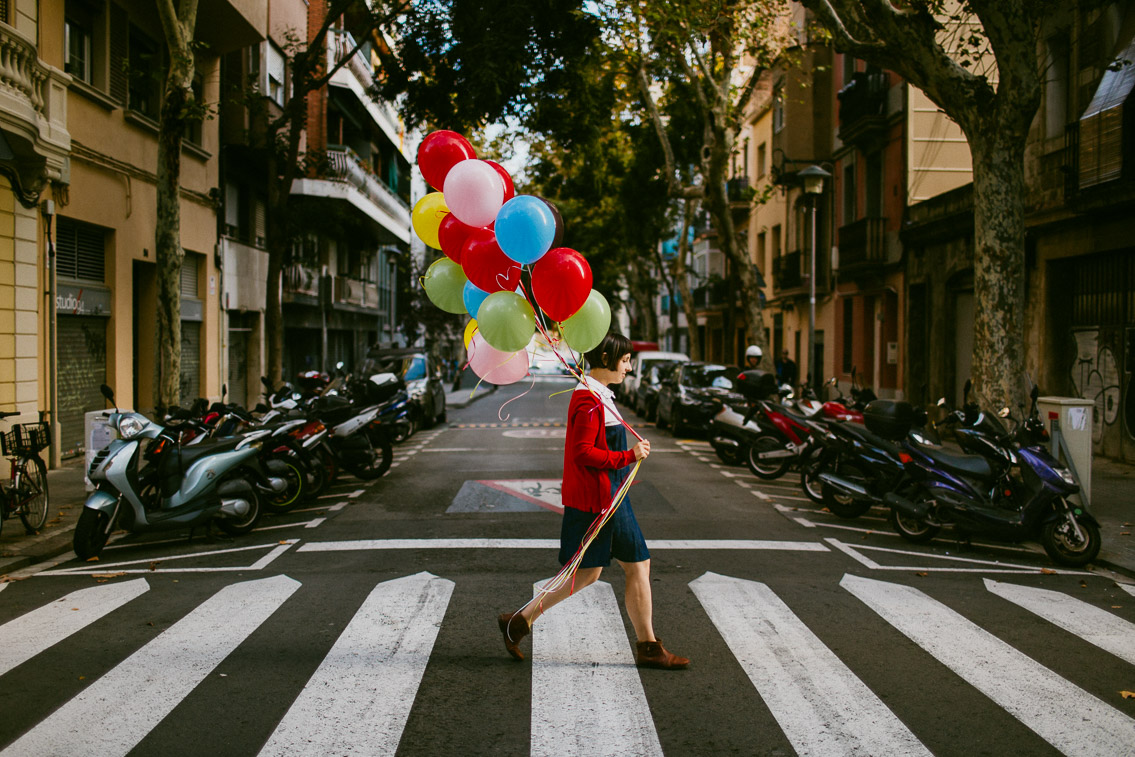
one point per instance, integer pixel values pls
(614, 346)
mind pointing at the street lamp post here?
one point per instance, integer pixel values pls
(813, 178)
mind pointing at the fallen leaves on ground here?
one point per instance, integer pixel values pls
(108, 575)
(1048, 571)
(1127, 694)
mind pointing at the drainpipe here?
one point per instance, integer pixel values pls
(54, 457)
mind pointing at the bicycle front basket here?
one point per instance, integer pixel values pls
(26, 439)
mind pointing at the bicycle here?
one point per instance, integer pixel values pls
(25, 492)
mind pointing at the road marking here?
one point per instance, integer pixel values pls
(336, 507)
(315, 523)
(759, 494)
(726, 544)
(28, 635)
(746, 484)
(1127, 588)
(991, 566)
(370, 677)
(304, 523)
(277, 549)
(151, 682)
(587, 697)
(1090, 623)
(1063, 714)
(821, 706)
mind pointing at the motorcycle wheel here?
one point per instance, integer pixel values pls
(379, 464)
(912, 529)
(248, 522)
(406, 430)
(316, 478)
(767, 469)
(294, 493)
(1064, 546)
(90, 533)
(842, 505)
(728, 455)
(812, 486)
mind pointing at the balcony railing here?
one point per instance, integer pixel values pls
(299, 279)
(737, 189)
(351, 291)
(344, 165)
(786, 272)
(863, 107)
(339, 45)
(862, 244)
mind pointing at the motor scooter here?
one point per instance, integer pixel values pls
(164, 486)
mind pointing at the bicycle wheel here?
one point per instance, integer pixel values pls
(32, 491)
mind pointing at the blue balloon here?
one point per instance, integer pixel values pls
(525, 228)
(473, 296)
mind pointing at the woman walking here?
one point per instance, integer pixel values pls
(596, 462)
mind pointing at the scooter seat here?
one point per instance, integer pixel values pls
(965, 465)
(792, 414)
(862, 434)
(181, 459)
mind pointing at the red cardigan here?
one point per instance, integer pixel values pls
(586, 456)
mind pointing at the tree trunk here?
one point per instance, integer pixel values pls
(176, 101)
(684, 283)
(999, 267)
(642, 295)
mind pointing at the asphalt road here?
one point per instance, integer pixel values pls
(366, 625)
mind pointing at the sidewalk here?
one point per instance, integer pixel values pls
(1113, 504)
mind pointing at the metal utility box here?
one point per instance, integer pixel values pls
(1070, 419)
(98, 433)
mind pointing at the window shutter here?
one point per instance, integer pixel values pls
(80, 251)
(261, 235)
(189, 268)
(119, 53)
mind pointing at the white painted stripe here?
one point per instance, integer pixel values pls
(370, 677)
(378, 544)
(146, 686)
(759, 494)
(821, 706)
(991, 566)
(1063, 714)
(305, 523)
(336, 507)
(3, 586)
(115, 567)
(315, 523)
(587, 697)
(805, 523)
(790, 498)
(30, 634)
(746, 484)
(1127, 588)
(1093, 625)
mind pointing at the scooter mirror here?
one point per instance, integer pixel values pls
(1003, 412)
(268, 384)
(966, 389)
(107, 392)
(941, 402)
(340, 365)
(831, 381)
(224, 391)
(1034, 393)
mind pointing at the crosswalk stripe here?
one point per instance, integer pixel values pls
(115, 712)
(1063, 714)
(370, 677)
(587, 697)
(30, 634)
(1095, 626)
(379, 544)
(821, 706)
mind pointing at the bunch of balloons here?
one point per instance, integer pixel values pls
(491, 236)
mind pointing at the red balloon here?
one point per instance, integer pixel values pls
(452, 235)
(439, 152)
(486, 265)
(509, 189)
(561, 281)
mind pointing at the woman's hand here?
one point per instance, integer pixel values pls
(642, 450)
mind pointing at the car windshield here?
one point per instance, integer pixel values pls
(409, 367)
(705, 376)
(657, 370)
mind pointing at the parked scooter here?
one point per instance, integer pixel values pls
(165, 486)
(1026, 497)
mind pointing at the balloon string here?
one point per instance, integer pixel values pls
(526, 391)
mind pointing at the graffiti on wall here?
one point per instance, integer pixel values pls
(1095, 375)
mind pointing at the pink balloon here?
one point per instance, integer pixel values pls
(474, 192)
(494, 366)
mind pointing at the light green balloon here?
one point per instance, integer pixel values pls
(585, 330)
(445, 284)
(506, 321)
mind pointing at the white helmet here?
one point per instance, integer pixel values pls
(754, 351)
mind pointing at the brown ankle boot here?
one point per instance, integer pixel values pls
(514, 628)
(651, 654)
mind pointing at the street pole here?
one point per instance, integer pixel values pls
(813, 178)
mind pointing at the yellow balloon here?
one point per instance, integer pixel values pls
(427, 216)
(470, 329)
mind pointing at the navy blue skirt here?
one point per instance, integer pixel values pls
(621, 537)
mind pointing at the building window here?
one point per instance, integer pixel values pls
(80, 250)
(776, 241)
(762, 160)
(1056, 73)
(762, 249)
(77, 41)
(145, 72)
(874, 180)
(850, 198)
(778, 107)
(274, 83)
(848, 333)
(194, 128)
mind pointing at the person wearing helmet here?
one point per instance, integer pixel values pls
(753, 357)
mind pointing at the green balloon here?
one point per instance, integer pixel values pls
(506, 321)
(585, 330)
(445, 284)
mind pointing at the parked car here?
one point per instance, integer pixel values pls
(645, 400)
(424, 383)
(640, 363)
(692, 394)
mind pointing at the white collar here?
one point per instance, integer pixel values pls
(611, 416)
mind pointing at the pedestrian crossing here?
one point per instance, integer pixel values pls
(587, 697)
